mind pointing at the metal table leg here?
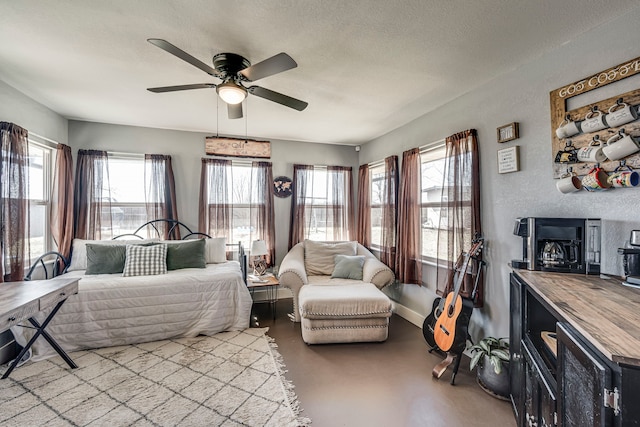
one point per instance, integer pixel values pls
(40, 331)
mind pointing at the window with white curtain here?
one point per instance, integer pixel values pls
(125, 196)
(41, 158)
(433, 198)
(239, 187)
(377, 188)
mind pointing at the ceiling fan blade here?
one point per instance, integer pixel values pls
(270, 66)
(285, 100)
(234, 111)
(181, 87)
(165, 45)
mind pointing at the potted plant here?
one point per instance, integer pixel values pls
(491, 356)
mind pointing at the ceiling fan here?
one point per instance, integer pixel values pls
(233, 70)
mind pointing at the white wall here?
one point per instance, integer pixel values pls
(186, 150)
(523, 96)
(16, 107)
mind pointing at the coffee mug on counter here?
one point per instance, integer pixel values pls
(624, 176)
(596, 180)
(592, 153)
(620, 114)
(568, 183)
(568, 128)
(593, 121)
(620, 146)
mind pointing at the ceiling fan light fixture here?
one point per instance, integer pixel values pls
(231, 92)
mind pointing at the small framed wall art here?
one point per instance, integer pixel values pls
(508, 132)
(509, 159)
(282, 186)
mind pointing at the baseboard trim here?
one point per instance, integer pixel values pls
(408, 314)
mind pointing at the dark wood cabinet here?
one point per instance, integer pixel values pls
(568, 366)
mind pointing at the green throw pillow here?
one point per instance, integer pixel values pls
(348, 267)
(105, 259)
(186, 254)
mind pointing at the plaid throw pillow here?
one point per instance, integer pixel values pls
(145, 260)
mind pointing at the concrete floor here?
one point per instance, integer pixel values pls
(379, 384)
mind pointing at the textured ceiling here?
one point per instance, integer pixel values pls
(365, 67)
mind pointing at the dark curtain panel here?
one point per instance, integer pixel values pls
(408, 255)
(363, 228)
(92, 197)
(388, 224)
(461, 221)
(339, 208)
(302, 186)
(61, 217)
(160, 193)
(214, 216)
(261, 207)
(14, 202)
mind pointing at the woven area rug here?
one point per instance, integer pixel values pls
(230, 379)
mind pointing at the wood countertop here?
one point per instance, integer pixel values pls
(604, 311)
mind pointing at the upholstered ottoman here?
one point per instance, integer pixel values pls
(343, 313)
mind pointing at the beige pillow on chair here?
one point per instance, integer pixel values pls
(319, 257)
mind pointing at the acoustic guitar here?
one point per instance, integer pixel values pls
(430, 322)
(450, 327)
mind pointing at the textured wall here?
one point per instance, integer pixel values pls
(522, 95)
(18, 108)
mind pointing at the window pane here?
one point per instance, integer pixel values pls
(433, 217)
(126, 180)
(376, 226)
(37, 230)
(37, 182)
(241, 226)
(240, 184)
(125, 219)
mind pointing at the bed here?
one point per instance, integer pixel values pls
(111, 309)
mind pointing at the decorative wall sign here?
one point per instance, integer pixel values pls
(568, 132)
(235, 147)
(509, 159)
(282, 186)
(508, 132)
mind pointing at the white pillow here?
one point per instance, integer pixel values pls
(145, 260)
(216, 250)
(79, 249)
(319, 257)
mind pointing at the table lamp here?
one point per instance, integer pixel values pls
(258, 250)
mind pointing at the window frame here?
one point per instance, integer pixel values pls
(241, 205)
(377, 167)
(49, 157)
(434, 150)
(125, 205)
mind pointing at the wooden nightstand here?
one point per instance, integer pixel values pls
(268, 283)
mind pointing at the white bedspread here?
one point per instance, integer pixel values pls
(112, 310)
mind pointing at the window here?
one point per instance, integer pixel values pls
(39, 193)
(377, 189)
(239, 187)
(237, 201)
(322, 203)
(123, 204)
(433, 202)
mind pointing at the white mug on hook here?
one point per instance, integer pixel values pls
(593, 121)
(621, 116)
(620, 146)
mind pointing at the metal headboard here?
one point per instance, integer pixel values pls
(60, 265)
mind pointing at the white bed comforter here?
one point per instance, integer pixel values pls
(112, 310)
